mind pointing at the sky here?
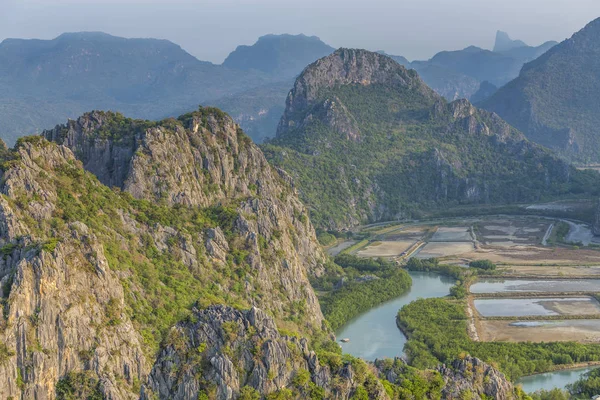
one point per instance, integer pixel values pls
(211, 29)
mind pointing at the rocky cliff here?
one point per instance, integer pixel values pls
(93, 278)
(242, 352)
(365, 140)
(472, 378)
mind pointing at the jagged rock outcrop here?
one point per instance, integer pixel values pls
(470, 377)
(63, 305)
(242, 349)
(92, 278)
(344, 67)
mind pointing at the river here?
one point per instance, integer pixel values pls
(374, 334)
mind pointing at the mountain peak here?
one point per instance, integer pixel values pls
(504, 42)
(315, 90)
(285, 55)
(353, 66)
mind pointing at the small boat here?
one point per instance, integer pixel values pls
(345, 340)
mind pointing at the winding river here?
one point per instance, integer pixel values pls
(374, 334)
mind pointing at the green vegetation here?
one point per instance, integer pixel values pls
(587, 386)
(437, 332)
(357, 285)
(486, 265)
(554, 394)
(79, 386)
(558, 90)
(159, 286)
(415, 154)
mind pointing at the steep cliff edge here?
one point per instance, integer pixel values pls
(365, 140)
(94, 278)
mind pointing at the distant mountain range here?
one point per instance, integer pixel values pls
(365, 139)
(281, 55)
(555, 101)
(459, 74)
(43, 82)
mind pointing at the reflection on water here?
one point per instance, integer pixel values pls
(519, 285)
(551, 380)
(536, 306)
(374, 334)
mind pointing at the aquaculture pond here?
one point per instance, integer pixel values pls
(539, 286)
(537, 306)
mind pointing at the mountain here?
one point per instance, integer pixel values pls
(504, 42)
(486, 89)
(43, 82)
(89, 271)
(553, 100)
(399, 59)
(281, 55)
(459, 74)
(257, 110)
(365, 139)
(187, 280)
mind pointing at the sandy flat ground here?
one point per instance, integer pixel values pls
(444, 249)
(581, 306)
(532, 270)
(532, 255)
(411, 233)
(452, 234)
(338, 248)
(585, 331)
(385, 249)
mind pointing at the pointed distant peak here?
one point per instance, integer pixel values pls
(505, 43)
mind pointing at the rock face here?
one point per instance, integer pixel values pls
(472, 378)
(238, 350)
(344, 67)
(87, 272)
(552, 100)
(58, 297)
(365, 140)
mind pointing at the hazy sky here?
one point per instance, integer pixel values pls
(210, 29)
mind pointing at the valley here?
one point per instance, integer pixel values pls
(347, 225)
(544, 288)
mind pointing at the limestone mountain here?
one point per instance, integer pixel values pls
(553, 100)
(365, 139)
(283, 55)
(186, 280)
(93, 278)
